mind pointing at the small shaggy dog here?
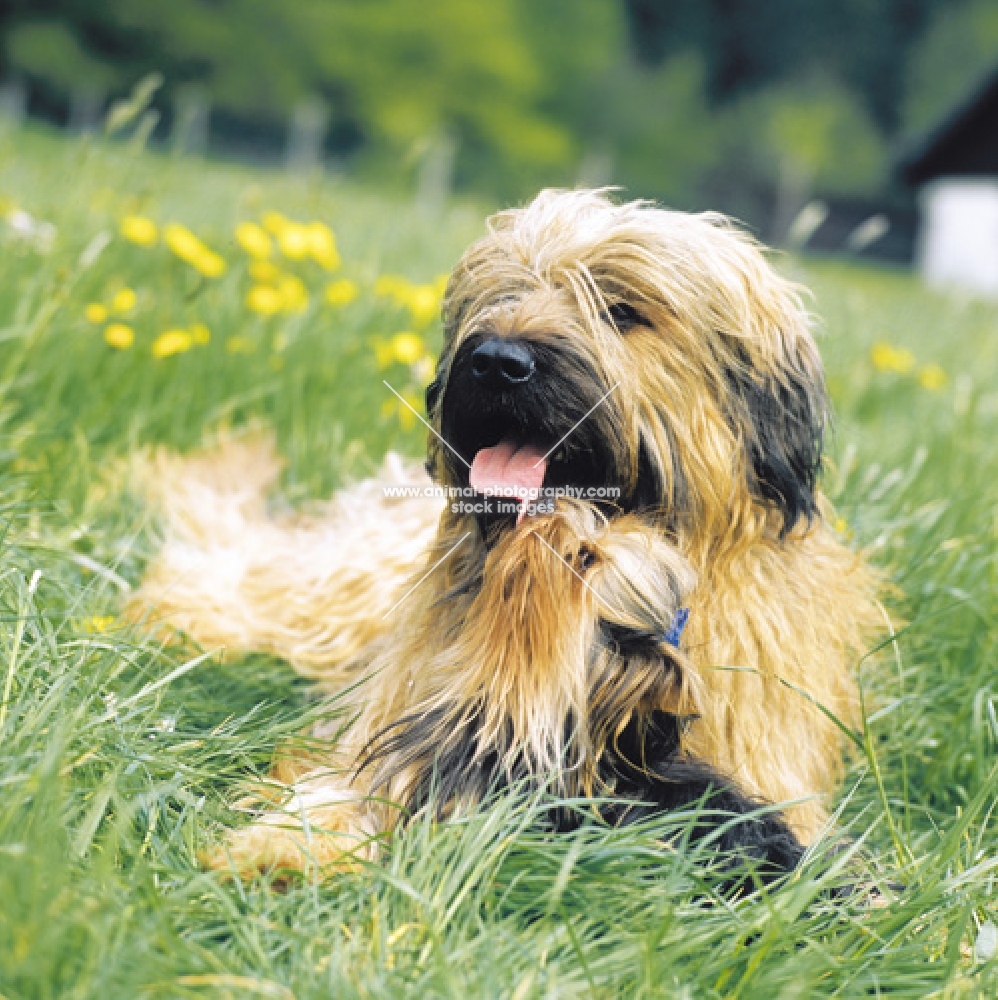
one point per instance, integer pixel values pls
(653, 360)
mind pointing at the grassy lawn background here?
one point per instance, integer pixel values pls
(118, 758)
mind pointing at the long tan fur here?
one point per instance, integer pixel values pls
(310, 588)
(782, 609)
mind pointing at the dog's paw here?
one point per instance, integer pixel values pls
(279, 845)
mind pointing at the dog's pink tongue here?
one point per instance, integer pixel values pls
(507, 470)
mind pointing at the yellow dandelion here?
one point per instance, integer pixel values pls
(293, 293)
(254, 240)
(139, 230)
(341, 293)
(887, 358)
(96, 624)
(274, 222)
(209, 263)
(384, 352)
(440, 284)
(185, 245)
(264, 272)
(172, 342)
(123, 300)
(932, 377)
(294, 241)
(240, 345)
(408, 418)
(395, 407)
(264, 300)
(322, 245)
(119, 335)
(424, 304)
(407, 347)
(95, 312)
(200, 334)
(182, 241)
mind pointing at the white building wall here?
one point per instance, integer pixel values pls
(958, 243)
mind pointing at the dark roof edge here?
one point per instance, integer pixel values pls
(913, 155)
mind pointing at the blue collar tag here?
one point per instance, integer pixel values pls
(675, 632)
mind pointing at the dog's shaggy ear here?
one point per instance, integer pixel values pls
(771, 374)
(782, 417)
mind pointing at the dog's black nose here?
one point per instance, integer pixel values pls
(499, 362)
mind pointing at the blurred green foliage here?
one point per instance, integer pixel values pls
(690, 101)
(961, 44)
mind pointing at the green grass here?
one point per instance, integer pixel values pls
(118, 757)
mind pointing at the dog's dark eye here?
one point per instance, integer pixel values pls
(585, 559)
(624, 316)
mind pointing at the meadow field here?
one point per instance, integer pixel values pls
(146, 300)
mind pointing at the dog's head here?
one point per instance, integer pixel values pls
(652, 352)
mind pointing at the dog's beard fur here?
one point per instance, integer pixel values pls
(533, 668)
(682, 370)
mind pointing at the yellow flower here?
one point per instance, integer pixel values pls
(139, 230)
(276, 362)
(240, 345)
(293, 293)
(422, 301)
(932, 377)
(406, 416)
(407, 419)
(123, 301)
(440, 284)
(172, 342)
(209, 263)
(424, 304)
(322, 245)
(295, 241)
(341, 293)
(264, 272)
(119, 335)
(182, 241)
(384, 353)
(254, 240)
(95, 312)
(274, 222)
(407, 347)
(192, 251)
(200, 333)
(887, 358)
(264, 300)
(98, 623)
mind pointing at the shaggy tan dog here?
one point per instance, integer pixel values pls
(652, 361)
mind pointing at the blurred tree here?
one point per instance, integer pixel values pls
(727, 102)
(652, 129)
(501, 77)
(780, 145)
(755, 43)
(959, 48)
